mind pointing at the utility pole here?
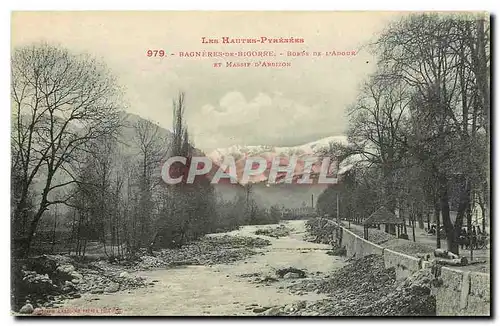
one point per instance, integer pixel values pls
(339, 237)
(350, 222)
(339, 229)
(337, 192)
(338, 213)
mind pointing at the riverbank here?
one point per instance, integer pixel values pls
(242, 287)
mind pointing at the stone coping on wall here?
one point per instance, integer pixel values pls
(462, 293)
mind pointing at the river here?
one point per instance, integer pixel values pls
(218, 289)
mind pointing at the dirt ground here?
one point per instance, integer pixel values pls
(218, 289)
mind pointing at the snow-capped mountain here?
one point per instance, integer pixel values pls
(240, 151)
(269, 153)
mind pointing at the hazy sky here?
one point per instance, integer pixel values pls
(225, 106)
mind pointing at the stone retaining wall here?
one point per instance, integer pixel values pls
(458, 293)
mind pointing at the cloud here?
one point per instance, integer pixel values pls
(262, 120)
(233, 110)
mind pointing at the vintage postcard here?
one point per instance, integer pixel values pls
(211, 163)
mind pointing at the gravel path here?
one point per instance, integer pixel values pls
(218, 289)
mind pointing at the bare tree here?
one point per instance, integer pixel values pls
(443, 59)
(422, 120)
(61, 101)
(172, 219)
(377, 127)
(152, 147)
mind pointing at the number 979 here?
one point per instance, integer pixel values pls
(155, 53)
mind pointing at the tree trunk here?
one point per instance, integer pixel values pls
(413, 229)
(26, 244)
(420, 220)
(153, 242)
(483, 216)
(402, 214)
(445, 212)
(437, 212)
(54, 232)
(483, 211)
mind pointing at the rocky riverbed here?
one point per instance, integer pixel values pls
(276, 232)
(363, 288)
(230, 275)
(45, 281)
(243, 287)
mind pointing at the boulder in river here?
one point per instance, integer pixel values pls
(67, 269)
(273, 311)
(27, 309)
(300, 305)
(112, 287)
(283, 271)
(260, 309)
(291, 275)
